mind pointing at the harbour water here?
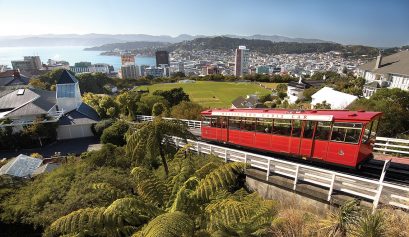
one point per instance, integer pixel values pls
(71, 54)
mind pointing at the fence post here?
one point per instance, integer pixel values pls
(386, 146)
(225, 155)
(380, 187)
(296, 177)
(198, 148)
(268, 169)
(245, 160)
(211, 150)
(331, 188)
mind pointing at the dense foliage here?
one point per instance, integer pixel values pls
(394, 103)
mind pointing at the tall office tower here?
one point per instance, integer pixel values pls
(162, 58)
(241, 61)
(127, 59)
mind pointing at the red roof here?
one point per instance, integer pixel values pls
(324, 115)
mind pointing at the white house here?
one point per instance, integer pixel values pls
(337, 99)
(295, 90)
(387, 72)
(63, 106)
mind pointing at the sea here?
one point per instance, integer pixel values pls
(71, 54)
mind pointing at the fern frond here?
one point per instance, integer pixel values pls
(205, 170)
(223, 177)
(149, 187)
(185, 201)
(74, 223)
(130, 211)
(173, 224)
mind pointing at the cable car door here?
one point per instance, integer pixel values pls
(221, 131)
(307, 139)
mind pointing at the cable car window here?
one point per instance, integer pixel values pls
(367, 133)
(323, 131)
(282, 127)
(346, 132)
(308, 129)
(370, 131)
(296, 128)
(206, 121)
(221, 122)
(234, 123)
(264, 125)
(248, 124)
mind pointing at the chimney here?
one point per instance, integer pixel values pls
(16, 73)
(378, 63)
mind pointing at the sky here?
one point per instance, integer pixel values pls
(381, 23)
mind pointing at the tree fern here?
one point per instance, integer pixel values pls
(221, 178)
(130, 211)
(174, 224)
(149, 187)
(185, 201)
(250, 217)
(78, 222)
(110, 190)
(205, 170)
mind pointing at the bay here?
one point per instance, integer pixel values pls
(71, 54)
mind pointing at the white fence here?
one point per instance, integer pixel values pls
(372, 190)
(190, 123)
(382, 144)
(392, 145)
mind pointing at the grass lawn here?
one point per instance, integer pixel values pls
(213, 94)
(271, 85)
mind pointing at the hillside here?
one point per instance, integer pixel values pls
(128, 46)
(255, 45)
(269, 47)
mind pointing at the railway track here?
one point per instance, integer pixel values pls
(397, 173)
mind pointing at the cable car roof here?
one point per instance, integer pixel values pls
(314, 115)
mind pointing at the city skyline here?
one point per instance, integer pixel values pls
(374, 23)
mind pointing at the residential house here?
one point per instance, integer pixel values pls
(337, 99)
(63, 106)
(388, 72)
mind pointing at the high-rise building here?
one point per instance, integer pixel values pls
(29, 63)
(129, 72)
(241, 61)
(127, 59)
(162, 58)
(155, 72)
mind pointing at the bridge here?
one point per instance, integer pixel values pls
(326, 185)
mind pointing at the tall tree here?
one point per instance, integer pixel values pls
(150, 140)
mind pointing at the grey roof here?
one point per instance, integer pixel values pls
(83, 115)
(32, 102)
(306, 84)
(11, 81)
(45, 168)
(66, 78)
(21, 166)
(241, 102)
(373, 84)
(397, 63)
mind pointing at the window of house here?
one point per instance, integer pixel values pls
(346, 132)
(234, 123)
(66, 91)
(264, 125)
(282, 127)
(323, 131)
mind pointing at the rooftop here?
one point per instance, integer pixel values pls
(397, 63)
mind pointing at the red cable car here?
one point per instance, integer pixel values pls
(339, 137)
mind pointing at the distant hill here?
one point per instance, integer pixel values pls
(269, 47)
(129, 46)
(100, 39)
